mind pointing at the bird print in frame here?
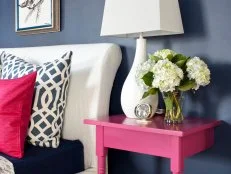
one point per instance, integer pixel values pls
(37, 16)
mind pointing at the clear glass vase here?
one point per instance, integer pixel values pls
(173, 107)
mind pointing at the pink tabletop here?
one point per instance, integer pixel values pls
(157, 125)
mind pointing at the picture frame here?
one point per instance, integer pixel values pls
(37, 16)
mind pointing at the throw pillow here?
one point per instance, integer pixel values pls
(15, 110)
(50, 96)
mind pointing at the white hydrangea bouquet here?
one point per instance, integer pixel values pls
(171, 74)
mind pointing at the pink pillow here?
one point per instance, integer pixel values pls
(15, 109)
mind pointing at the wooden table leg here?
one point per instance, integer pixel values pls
(177, 160)
(101, 151)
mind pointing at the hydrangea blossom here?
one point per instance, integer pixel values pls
(164, 53)
(198, 71)
(167, 75)
(142, 69)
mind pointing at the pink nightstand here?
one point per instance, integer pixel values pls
(156, 138)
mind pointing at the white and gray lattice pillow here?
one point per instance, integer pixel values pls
(50, 95)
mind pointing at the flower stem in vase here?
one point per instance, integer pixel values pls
(172, 102)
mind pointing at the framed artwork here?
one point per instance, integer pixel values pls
(37, 16)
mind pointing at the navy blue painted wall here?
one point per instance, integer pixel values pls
(207, 34)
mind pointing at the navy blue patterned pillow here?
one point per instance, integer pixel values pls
(50, 95)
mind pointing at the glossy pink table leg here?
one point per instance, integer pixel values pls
(177, 160)
(101, 151)
(177, 165)
(101, 164)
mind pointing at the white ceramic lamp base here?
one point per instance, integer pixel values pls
(131, 93)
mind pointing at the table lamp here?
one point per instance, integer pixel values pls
(139, 19)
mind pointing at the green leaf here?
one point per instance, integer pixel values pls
(170, 57)
(154, 58)
(181, 63)
(146, 94)
(151, 91)
(179, 57)
(187, 85)
(148, 78)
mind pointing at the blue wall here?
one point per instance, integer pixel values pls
(207, 34)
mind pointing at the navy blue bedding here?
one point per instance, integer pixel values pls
(68, 158)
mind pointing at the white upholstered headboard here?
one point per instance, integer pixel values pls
(93, 70)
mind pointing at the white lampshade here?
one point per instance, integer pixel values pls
(129, 18)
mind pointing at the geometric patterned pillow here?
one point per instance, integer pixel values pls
(49, 99)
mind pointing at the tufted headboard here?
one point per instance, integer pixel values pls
(93, 70)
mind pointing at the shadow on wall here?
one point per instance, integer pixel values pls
(220, 93)
(192, 18)
(193, 22)
(214, 102)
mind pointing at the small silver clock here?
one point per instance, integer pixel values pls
(143, 111)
